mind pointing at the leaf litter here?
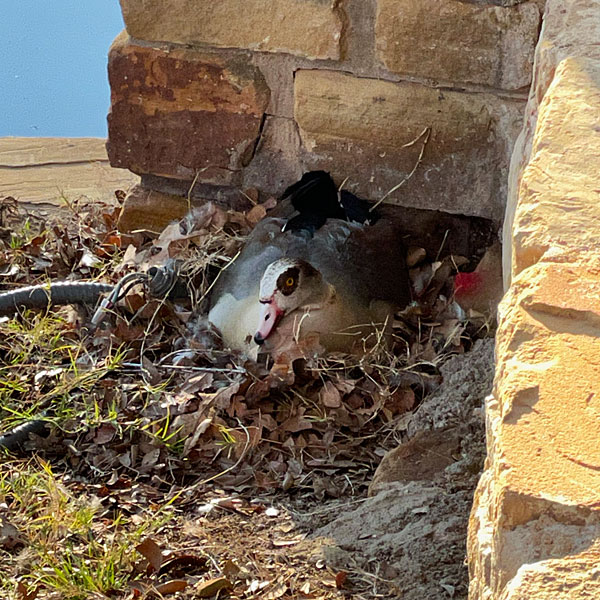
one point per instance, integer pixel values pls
(151, 410)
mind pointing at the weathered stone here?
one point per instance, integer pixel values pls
(177, 112)
(570, 29)
(560, 579)
(275, 164)
(535, 524)
(539, 496)
(558, 215)
(456, 41)
(278, 71)
(419, 459)
(150, 210)
(309, 28)
(372, 132)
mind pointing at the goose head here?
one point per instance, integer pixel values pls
(288, 285)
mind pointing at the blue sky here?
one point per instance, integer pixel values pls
(53, 56)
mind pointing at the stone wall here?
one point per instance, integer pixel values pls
(247, 94)
(535, 525)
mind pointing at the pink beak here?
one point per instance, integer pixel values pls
(270, 314)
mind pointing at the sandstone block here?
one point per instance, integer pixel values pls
(570, 578)
(275, 164)
(538, 499)
(177, 112)
(558, 212)
(456, 41)
(570, 29)
(372, 132)
(151, 210)
(309, 28)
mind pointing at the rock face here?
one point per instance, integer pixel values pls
(490, 45)
(558, 212)
(176, 113)
(236, 94)
(535, 525)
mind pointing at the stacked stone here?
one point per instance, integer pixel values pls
(248, 94)
(535, 526)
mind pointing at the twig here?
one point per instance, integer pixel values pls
(210, 287)
(437, 256)
(189, 194)
(426, 132)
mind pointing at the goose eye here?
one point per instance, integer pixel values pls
(289, 282)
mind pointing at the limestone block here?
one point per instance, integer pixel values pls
(571, 578)
(558, 214)
(309, 28)
(538, 499)
(569, 29)
(456, 41)
(177, 112)
(368, 131)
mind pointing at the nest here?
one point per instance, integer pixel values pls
(154, 396)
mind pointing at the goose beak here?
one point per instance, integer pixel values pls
(270, 314)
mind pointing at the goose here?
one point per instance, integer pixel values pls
(330, 268)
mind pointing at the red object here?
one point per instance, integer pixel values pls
(467, 283)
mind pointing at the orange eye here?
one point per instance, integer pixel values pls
(289, 282)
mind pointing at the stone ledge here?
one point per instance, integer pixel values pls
(458, 41)
(309, 28)
(557, 579)
(40, 171)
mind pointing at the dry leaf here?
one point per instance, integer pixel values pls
(170, 587)
(207, 589)
(330, 396)
(184, 564)
(10, 537)
(256, 214)
(278, 591)
(415, 255)
(104, 434)
(151, 551)
(150, 459)
(340, 579)
(24, 594)
(231, 570)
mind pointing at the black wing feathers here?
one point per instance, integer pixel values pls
(316, 199)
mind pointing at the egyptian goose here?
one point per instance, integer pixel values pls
(332, 268)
